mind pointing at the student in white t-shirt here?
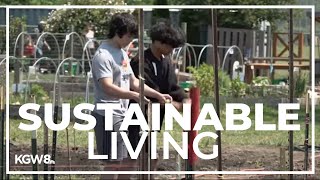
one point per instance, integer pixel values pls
(113, 77)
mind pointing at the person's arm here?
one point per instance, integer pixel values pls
(102, 69)
(177, 93)
(179, 105)
(134, 82)
(117, 92)
(46, 44)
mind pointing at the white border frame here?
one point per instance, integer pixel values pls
(312, 7)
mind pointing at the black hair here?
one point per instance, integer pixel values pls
(122, 24)
(41, 27)
(164, 33)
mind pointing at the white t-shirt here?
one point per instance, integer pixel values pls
(113, 63)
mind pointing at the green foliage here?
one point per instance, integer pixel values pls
(300, 84)
(139, 2)
(160, 13)
(62, 20)
(259, 84)
(238, 88)
(16, 24)
(198, 19)
(237, 19)
(2, 40)
(204, 77)
(37, 94)
(40, 95)
(16, 99)
(261, 81)
(33, 2)
(224, 82)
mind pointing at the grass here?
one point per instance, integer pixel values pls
(18, 136)
(253, 137)
(247, 137)
(229, 138)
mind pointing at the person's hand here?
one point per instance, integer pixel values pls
(186, 101)
(164, 98)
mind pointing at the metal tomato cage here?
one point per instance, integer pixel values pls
(56, 104)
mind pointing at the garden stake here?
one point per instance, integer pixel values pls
(45, 149)
(34, 144)
(306, 141)
(69, 156)
(55, 121)
(45, 128)
(2, 128)
(282, 161)
(142, 164)
(216, 79)
(74, 132)
(149, 136)
(290, 90)
(56, 102)
(2, 118)
(54, 139)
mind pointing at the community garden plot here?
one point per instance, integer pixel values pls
(242, 151)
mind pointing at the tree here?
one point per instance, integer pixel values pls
(33, 2)
(62, 20)
(235, 18)
(16, 24)
(160, 13)
(199, 19)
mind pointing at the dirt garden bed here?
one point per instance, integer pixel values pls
(235, 158)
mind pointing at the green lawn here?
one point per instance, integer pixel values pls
(247, 137)
(261, 138)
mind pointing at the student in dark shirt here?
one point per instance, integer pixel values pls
(159, 73)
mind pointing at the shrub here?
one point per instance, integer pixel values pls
(41, 96)
(259, 84)
(300, 84)
(238, 88)
(61, 20)
(260, 81)
(204, 77)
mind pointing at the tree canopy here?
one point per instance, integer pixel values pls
(62, 20)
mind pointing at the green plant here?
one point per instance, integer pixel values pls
(40, 95)
(224, 82)
(15, 28)
(16, 99)
(300, 84)
(238, 88)
(204, 77)
(61, 20)
(260, 82)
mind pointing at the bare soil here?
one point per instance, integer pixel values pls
(234, 158)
